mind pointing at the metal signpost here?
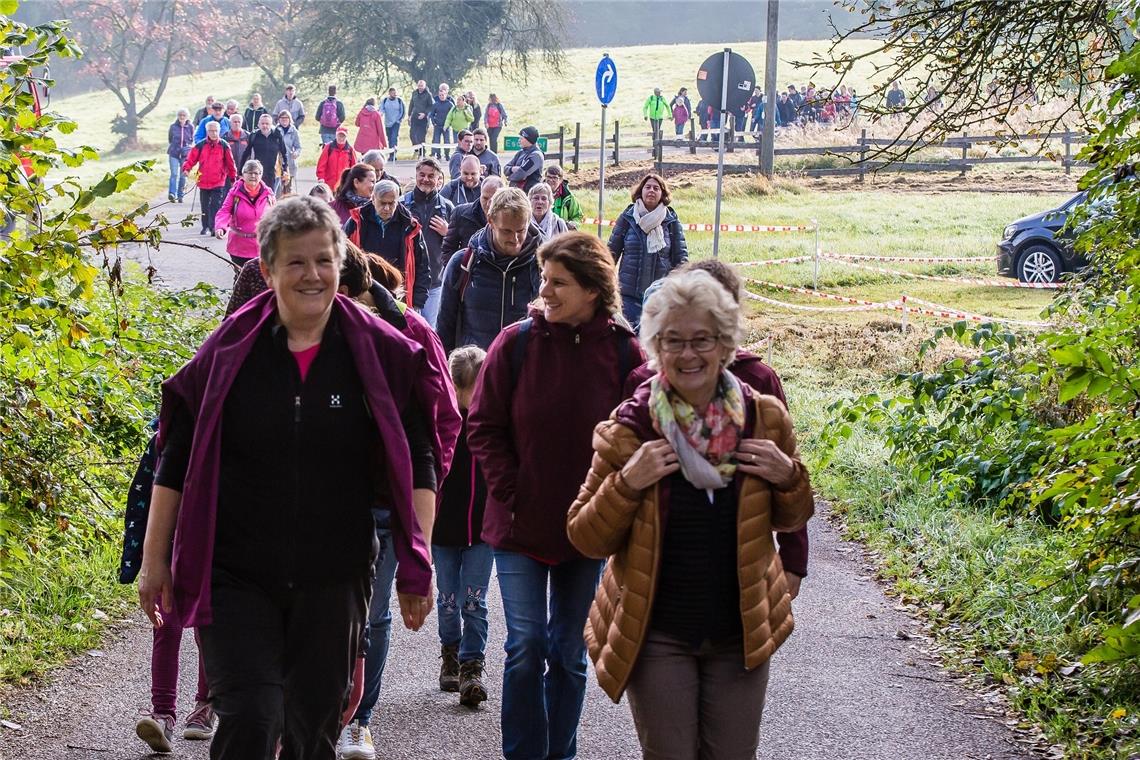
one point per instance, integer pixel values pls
(605, 84)
(731, 87)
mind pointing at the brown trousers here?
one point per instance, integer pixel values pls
(696, 704)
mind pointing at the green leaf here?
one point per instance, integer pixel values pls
(1074, 384)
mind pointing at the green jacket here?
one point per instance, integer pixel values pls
(567, 206)
(459, 118)
(656, 107)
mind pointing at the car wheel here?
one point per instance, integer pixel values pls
(1039, 264)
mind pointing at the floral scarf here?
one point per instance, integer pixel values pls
(705, 444)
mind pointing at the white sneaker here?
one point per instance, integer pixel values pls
(355, 743)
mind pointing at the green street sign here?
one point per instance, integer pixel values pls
(512, 143)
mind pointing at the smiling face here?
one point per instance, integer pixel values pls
(691, 372)
(364, 185)
(469, 172)
(285, 119)
(304, 276)
(255, 101)
(252, 177)
(265, 123)
(564, 300)
(426, 180)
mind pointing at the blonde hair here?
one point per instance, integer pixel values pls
(694, 292)
(464, 364)
(510, 201)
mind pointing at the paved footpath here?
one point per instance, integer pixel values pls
(852, 682)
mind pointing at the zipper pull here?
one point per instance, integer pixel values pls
(296, 409)
(577, 338)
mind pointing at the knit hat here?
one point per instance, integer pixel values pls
(530, 133)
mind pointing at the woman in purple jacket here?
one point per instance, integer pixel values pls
(277, 439)
(547, 381)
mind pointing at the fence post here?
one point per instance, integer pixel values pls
(862, 154)
(815, 257)
(692, 137)
(965, 147)
(1068, 151)
(617, 143)
(561, 145)
(657, 151)
(577, 143)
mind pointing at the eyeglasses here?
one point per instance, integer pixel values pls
(702, 344)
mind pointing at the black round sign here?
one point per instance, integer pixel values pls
(741, 80)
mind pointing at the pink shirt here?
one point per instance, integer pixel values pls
(305, 359)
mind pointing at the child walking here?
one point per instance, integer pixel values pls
(157, 728)
(462, 561)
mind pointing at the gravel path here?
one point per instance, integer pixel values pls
(852, 682)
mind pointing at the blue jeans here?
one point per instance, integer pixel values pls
(544, 678)
(393, 133)
(431, 306)
(379, 620)
(440, 136)
(177, 186)
(461, 575)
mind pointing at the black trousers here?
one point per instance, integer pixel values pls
(279, 662)
(211, 202)
(493, 138)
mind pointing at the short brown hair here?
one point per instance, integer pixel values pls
(665, 197)
(590, 262)
(354, 273)
(479, 131)
(721, 272)
(431, 161)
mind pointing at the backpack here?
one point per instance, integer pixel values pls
(518, 351)
(328, 116)
(493, 116)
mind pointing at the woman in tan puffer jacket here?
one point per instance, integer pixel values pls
(689, 479)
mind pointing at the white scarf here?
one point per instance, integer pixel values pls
(546, 225)
(650, 224)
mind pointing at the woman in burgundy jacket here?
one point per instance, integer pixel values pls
(547, 381)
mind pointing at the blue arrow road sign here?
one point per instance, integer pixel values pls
(605, 80)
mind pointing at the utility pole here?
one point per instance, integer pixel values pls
(771, 48)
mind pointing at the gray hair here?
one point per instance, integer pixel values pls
(235, 116)
(252, 163)
(384, 187)
(231, 102)
(182, 111)
(693, 292)
(297, 216)
(541, 189)
(213, 124)
(372, 156)
(463, 364)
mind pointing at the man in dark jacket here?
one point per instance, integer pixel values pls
(469, 218)
(267, 146)
(386, 228)
(419, 106)
(465, 187)
(464, 142)
(440, 108)
(488, 285)
(433, 212)
(330, 115)
(488, 159)
(524, 170)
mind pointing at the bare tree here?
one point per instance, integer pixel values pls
(120, 37)
(269, 34)
(985, 62)
(431, 41)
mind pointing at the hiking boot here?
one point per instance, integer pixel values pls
(471, 688)
(157, 731)
(170, 197)
(200, 724)
(355, 743)
(449, 668)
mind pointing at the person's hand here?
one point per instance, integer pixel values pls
(285, 177)
(793, 582)
(220, 233)
(763, 458)
(155, 588)
(439, 224)
(414, 609)
(653, 461)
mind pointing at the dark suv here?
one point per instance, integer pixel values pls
(1032, 249)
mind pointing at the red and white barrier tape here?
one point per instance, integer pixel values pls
(806, 307)
(938, 310)
(814, 293)
(914, 259)
(694, 227)
(958, 280)
(770, 262)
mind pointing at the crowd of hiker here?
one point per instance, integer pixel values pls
(417, 390)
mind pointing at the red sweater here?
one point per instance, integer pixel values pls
(215, 163)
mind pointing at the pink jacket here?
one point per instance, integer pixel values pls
(239, 215)
(371, 133)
